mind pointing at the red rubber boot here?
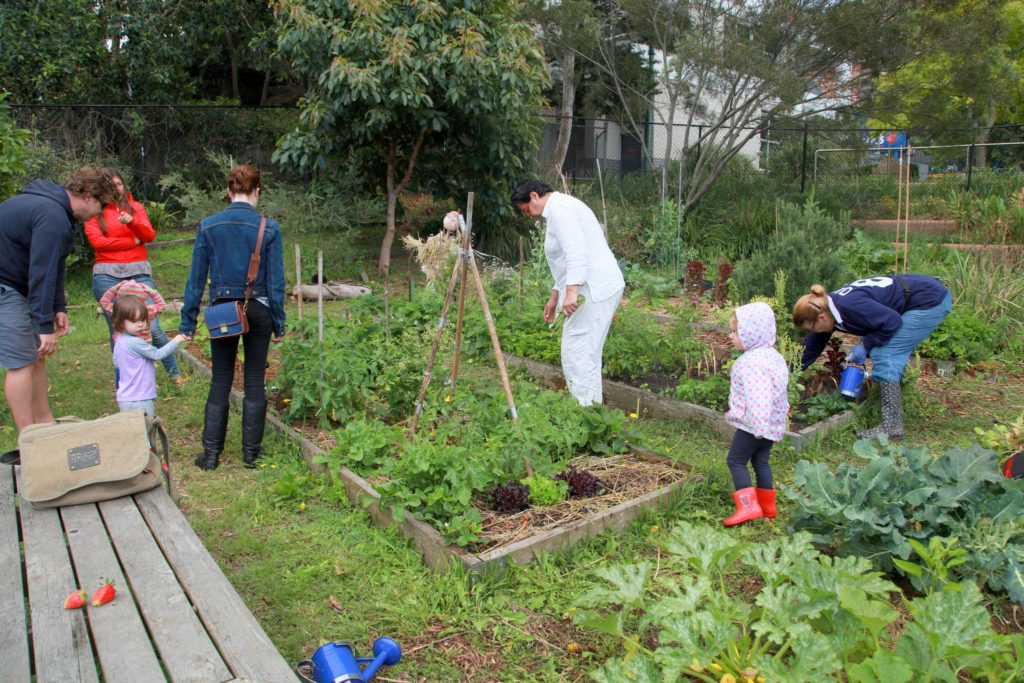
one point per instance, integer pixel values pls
(766, 499)
(747, 507)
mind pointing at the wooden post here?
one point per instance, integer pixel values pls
(461, 262)
(522, 267)
(298, 277)
(320, 296)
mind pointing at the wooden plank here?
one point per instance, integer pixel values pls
(118, 634)
(13, 627)
(60, 637)
(246, 649)
(184, 646)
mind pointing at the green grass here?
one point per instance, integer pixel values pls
(314, 568)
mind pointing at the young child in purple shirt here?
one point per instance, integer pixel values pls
(134, 356)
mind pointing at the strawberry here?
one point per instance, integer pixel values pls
(75, 600)
(104, 594)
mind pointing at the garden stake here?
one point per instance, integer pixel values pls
(522, 265)
(428, 371)
(906, 224)
(320, 316)
(467, 226)
(899, 210)
(298, 278)
(320, 298)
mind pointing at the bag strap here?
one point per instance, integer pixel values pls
(254, 263)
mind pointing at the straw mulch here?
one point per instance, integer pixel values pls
(625, 477)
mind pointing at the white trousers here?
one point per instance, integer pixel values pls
(583, 336)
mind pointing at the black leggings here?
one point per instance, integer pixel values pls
(256, 343)
(748, 448)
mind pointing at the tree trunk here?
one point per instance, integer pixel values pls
(565, 115)
(980, 152)
(234, 67)
(266, 87)
(384, 262)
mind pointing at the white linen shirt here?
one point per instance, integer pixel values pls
(576, 250)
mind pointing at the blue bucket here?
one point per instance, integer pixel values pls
(852, 381)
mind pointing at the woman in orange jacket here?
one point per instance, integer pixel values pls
(119, 235)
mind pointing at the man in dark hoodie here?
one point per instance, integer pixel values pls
(36, 237)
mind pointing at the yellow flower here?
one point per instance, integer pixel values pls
(302, 506)
(760, 679)
(655, 529)
(632, 416)
(274, 466)
(728, 678)
(448, 399)
(574, 648)
(263, 465)
(716, 666)
(286, 401)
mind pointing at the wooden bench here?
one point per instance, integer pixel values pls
(175, 618)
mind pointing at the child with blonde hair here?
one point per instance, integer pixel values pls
(758, 409)
(134, 356)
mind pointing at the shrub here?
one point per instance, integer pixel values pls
(805, 246)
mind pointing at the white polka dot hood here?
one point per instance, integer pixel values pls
(758, 398)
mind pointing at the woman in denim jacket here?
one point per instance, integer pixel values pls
(223, 247)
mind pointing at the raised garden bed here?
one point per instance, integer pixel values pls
(521, 536)
(646, 403)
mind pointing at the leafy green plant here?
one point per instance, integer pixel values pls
(813, 618)
(903, 494)
(938, 559)
(820, 406)
(546, 491)
(363, 445)
(13, 143)
(963, 337)
(712, 392)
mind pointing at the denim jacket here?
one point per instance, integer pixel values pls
(224, 244)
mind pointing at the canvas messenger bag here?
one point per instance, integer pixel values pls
(73, 461)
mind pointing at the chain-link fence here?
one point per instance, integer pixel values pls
(149, 141)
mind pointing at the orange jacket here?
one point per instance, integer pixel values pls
(118, 245)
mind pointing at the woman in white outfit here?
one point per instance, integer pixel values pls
(583, 269)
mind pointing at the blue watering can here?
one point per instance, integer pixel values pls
(851, 382)
(335, 662)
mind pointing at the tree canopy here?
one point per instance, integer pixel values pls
(442, 93)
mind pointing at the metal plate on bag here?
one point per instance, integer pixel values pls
(81, 457)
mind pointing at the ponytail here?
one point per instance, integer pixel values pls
(807, 307)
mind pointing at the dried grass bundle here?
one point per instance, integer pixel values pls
(434, 254)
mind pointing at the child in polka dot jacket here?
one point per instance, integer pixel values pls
(758, 409)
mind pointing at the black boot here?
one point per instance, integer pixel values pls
(892, 413)
(254, 420)
(215, 426)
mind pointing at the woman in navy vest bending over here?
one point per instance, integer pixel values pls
(892, 314)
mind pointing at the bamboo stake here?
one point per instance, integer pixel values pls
(906, 223)
(899, 209)
(495, 344)
(466, 246)
(298, 277)
(429, 370)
